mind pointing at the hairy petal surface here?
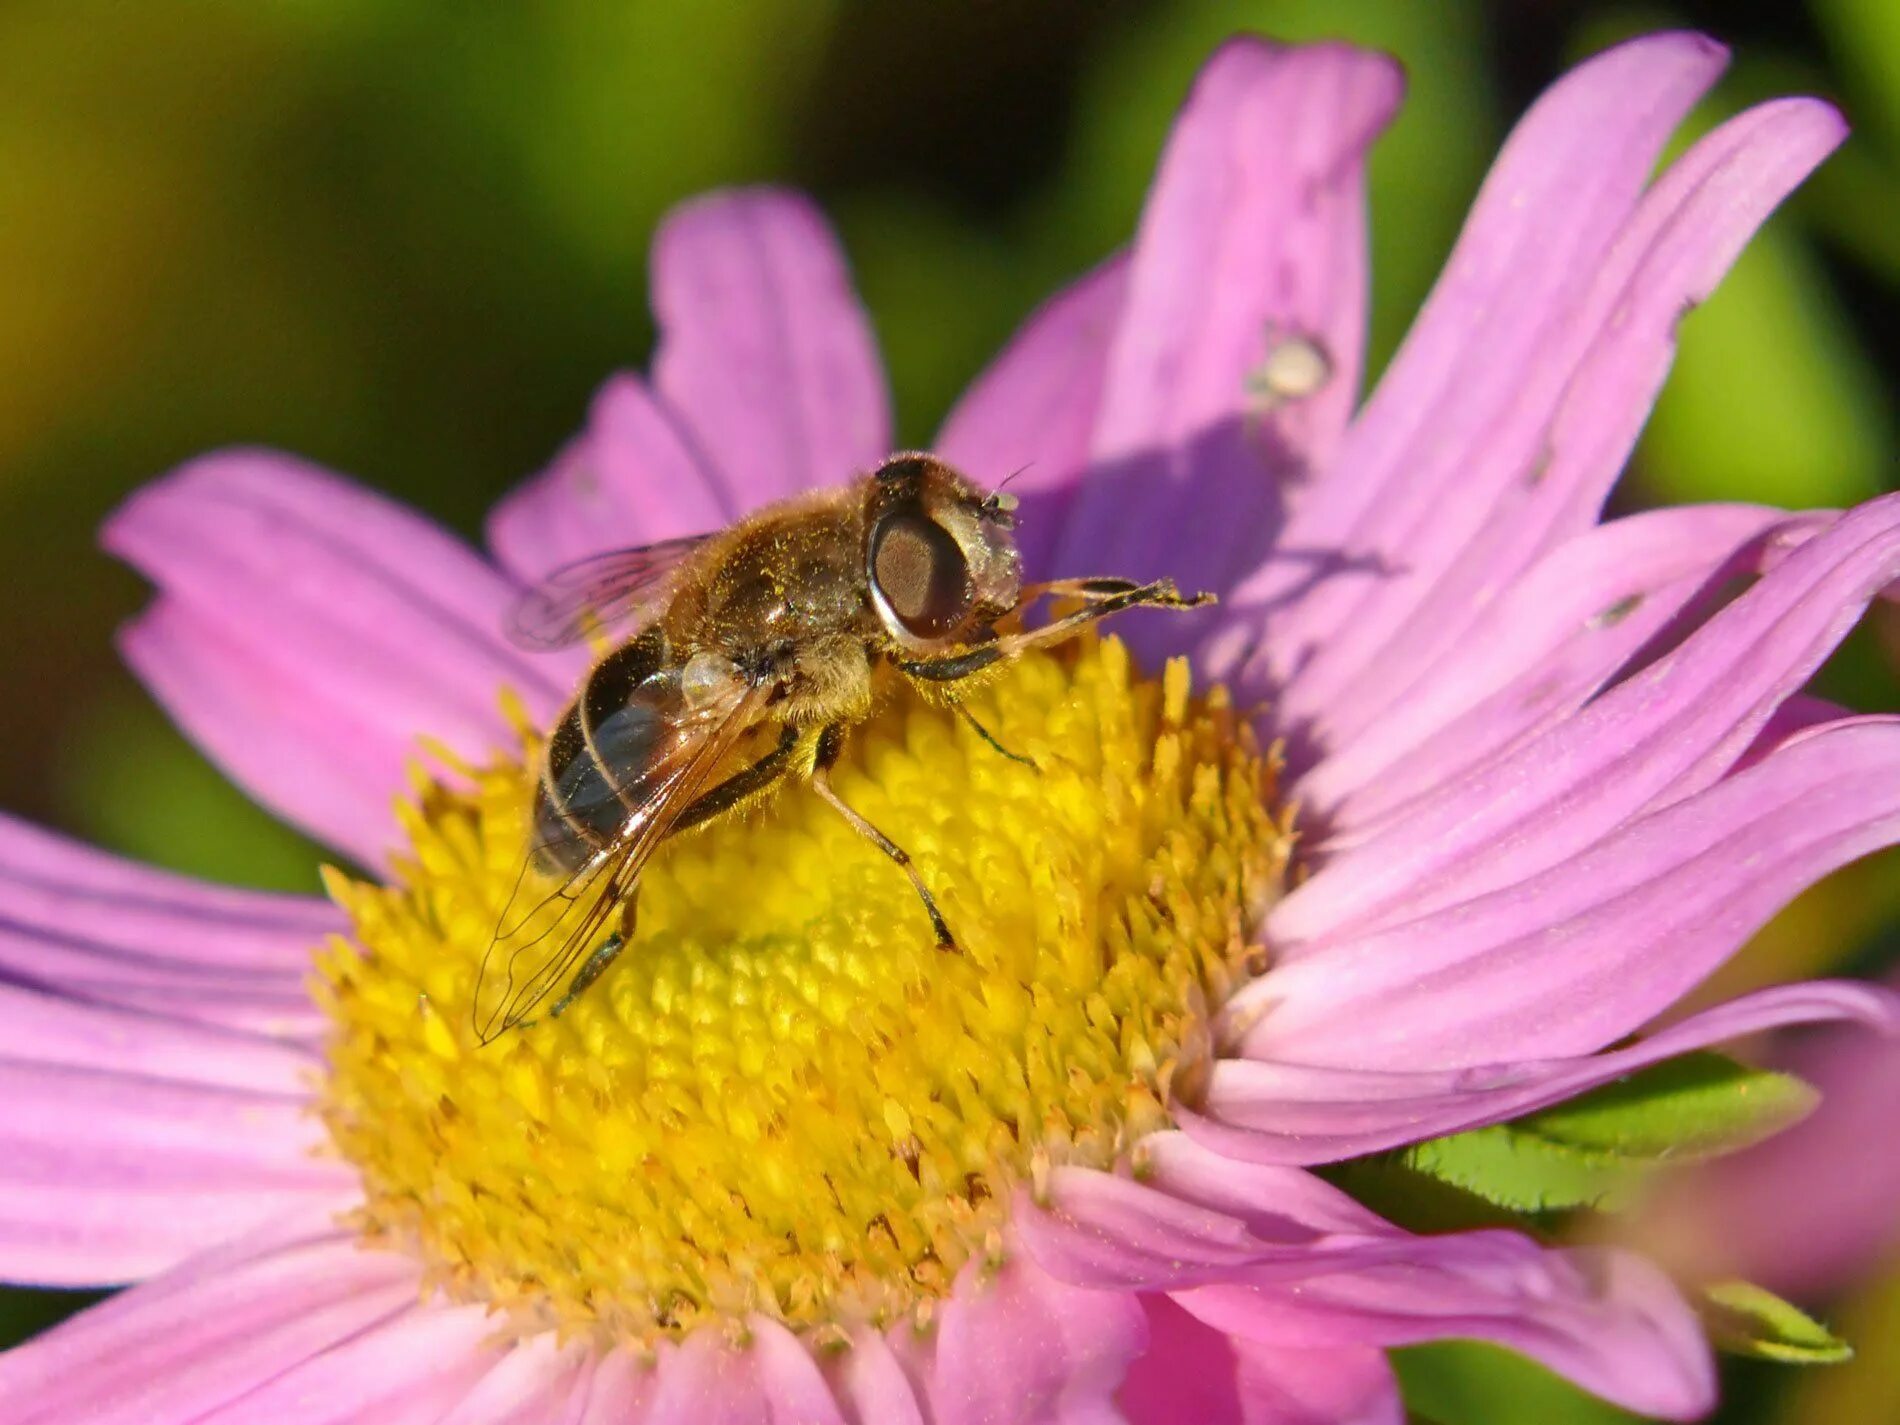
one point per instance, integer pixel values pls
(1253, 233)
(765, 355)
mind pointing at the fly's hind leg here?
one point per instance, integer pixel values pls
(830, 744)
(604, 954)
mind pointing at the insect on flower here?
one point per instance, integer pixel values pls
(749, 655)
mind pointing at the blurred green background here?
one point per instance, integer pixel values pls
(407, 239)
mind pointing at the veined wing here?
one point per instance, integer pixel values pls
(600, 592)
(539, 937)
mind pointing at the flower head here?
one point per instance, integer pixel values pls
(787, 1163)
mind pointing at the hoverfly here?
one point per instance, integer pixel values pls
(772, 632)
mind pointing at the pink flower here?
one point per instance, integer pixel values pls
(1544, 790)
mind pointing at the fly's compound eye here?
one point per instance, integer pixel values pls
(921, 575)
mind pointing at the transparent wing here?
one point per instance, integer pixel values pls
(543, 932)
(599, 592)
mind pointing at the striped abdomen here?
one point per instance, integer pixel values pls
(593, 775)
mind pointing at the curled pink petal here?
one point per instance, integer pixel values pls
(628, 479)
(1670, 730)
(1809, 1212)
(1253, 234)
(1192, 1374)
(1608, 1321)
(1581, 954)
(765, 355)
(1270, 1111)
(1542, 649)
(1542, 470)
(1030, 416)
(1553, 203)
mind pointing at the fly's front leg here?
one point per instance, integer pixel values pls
(1110, 596)
(830, 744)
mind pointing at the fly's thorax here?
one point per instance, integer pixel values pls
(787, 578)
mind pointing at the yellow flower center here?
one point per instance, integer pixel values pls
(783, 1097)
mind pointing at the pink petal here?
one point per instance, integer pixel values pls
(1330, 1275)
(89, 926)
(1659, 736)
(627, 480)
(1030, 416)
(343, 626)
(42, 1028)
(532, 1384)
(1277, 1112)
(771, 1380)
(765, 355)
(303, 753)
(1015, 1345)
(1536, 655)
(1608, 1321)
(1497, 329)
(208, 1332)
(407, 1370)
(1573, 417)
(1194, 1375)
(1581, 954)
(107, 1175)
(1613, 935)
(618, 1392)
(870, 1383)
(1253, 233)
(1811, 1210)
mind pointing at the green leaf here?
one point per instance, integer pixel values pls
(1695, 1106)
(1597, 1149)
(1420, 1201)
(1472, 1383)
(1517, 1169)
(1748, 1320)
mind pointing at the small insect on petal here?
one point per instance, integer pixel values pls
(1295, 367)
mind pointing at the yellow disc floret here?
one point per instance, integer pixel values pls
(783, 1097)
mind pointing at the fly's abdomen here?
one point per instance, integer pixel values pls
(594, 776)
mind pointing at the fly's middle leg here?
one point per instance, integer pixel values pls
(604, 954)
